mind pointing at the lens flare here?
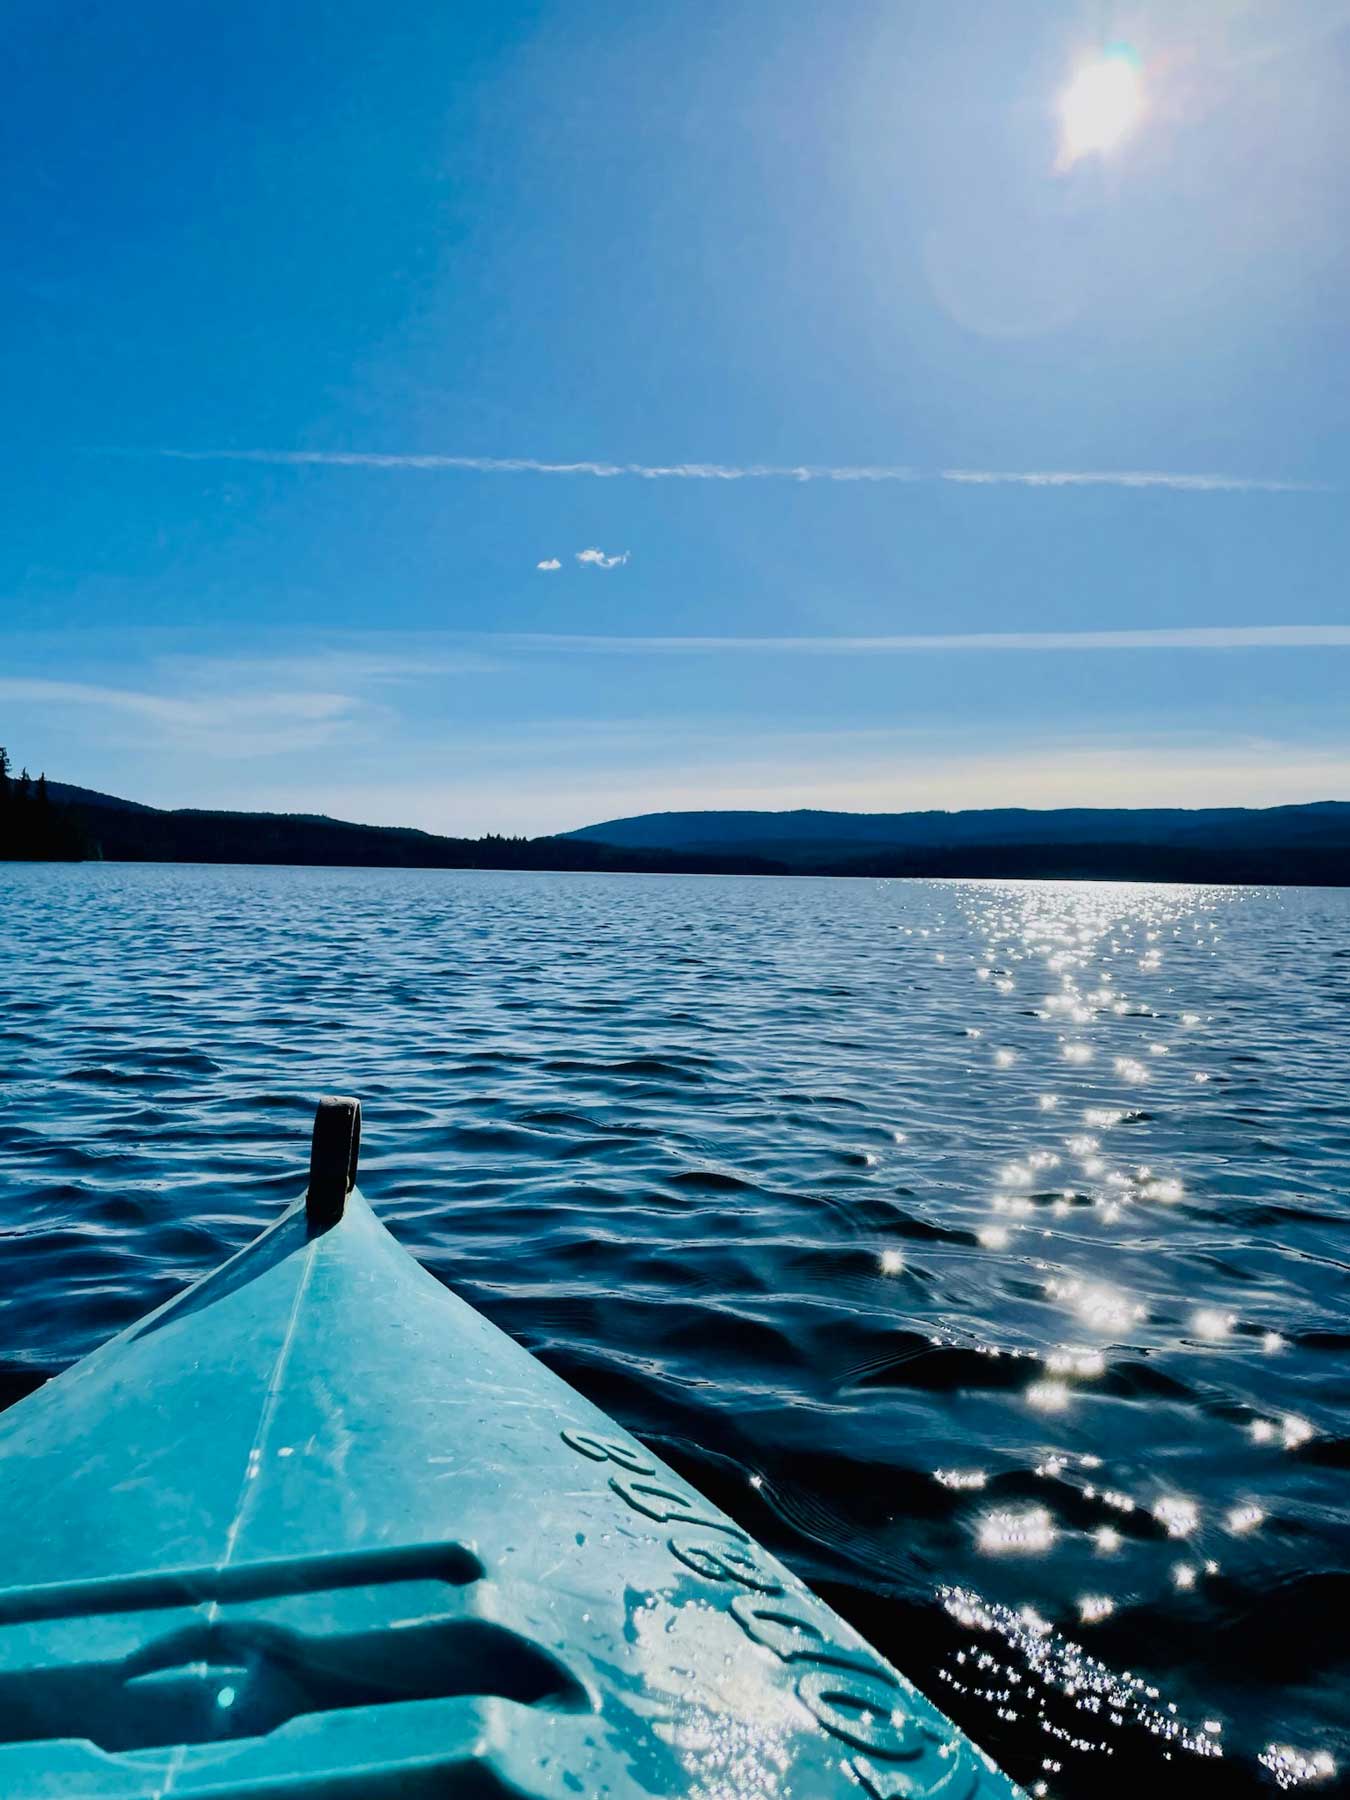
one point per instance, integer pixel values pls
(1100, 106)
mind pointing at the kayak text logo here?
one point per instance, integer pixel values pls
(911, 1751)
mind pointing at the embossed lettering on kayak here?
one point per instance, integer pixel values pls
(910, 1752)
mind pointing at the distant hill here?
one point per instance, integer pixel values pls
(1306, 845)
(806, 835)
(128, 831)
(67, 795)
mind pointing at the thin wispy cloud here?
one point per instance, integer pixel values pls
(549, 564)
(1199, 637)
(1177, 482)
(377, 659)
(248, 723)
(290, 701)
(211, 710)
(597, 559)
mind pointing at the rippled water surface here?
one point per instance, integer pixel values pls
(982, 1247)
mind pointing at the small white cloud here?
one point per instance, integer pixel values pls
(549, 563)
(599, 560)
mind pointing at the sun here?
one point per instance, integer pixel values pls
(1100, 106)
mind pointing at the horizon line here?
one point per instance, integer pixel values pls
(1136, 479)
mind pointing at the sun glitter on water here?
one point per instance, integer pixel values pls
(1101, 105)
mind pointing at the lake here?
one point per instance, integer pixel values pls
(981, 1246)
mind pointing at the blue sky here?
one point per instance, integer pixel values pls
(926, 466)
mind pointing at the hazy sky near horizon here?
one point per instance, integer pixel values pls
(510, 416)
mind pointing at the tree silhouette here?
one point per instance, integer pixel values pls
(33, 826)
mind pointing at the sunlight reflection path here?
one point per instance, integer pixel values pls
(1090, 1222)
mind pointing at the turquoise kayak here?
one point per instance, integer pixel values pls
(315, 1527)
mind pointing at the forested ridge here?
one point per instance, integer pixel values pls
(1300, 845)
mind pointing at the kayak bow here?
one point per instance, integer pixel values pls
(316, 1527)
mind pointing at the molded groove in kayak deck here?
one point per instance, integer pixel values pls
(450, 1563)
(208, 1683)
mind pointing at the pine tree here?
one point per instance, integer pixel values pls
(33, 826)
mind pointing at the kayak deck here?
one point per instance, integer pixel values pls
(317, 1527)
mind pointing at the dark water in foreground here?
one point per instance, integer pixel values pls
(982, 1247)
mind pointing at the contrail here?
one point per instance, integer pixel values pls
(706, 471)
(1129, 478)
